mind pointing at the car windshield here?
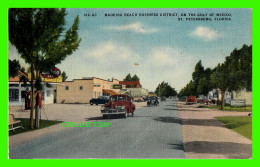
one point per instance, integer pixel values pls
(117, 98)
(153, 98)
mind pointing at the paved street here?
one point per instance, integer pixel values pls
(154, 132)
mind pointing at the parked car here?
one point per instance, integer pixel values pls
(191, 100)
(138, 99)
(153, 101)
(163, 98)
(99, 100)
(118, 105)
(203, 101)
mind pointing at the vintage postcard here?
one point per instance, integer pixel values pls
(130, 83)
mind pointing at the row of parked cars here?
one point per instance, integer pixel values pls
(194, 100)
(121, 104)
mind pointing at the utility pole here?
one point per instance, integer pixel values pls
(32, 94)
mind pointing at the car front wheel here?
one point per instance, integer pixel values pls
(125, 115)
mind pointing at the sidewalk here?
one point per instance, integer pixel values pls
(205, 137)
(60, 112)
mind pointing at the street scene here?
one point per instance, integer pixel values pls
(130, 83)
(171, 130)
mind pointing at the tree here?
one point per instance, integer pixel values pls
(128, 77)
(135, 78)
(235, 73)
(204, 83)
(164, 89)
(221, 79)
(239, 65)
(213, 82)
(203, 87)
(13, 67)
(37, 35)
(64, 76)
(197, 75)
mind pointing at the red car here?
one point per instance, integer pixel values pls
(191, 100)
(118, 105)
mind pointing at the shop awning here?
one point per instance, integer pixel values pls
(111, 92)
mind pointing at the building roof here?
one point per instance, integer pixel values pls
(111, 92)
(18, 77)
(91, 78)
(134, 83)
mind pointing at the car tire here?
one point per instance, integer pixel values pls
(91, 103)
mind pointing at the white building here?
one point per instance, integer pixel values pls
(18, 89)
(213, 95)
(138, 92)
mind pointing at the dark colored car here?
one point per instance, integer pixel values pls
(118, 105)
(163, 98)
(99, 100)
(153, 101)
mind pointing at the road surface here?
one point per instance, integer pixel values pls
(153, 132)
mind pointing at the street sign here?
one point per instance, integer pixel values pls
(238, 103)
(117, 86)
(56, 71)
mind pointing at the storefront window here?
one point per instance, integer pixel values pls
(48, 93)
(13, 85)
(13, 94)
(25, 85)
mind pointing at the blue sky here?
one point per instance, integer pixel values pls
(165, 49)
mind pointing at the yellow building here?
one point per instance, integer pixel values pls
(83, 90)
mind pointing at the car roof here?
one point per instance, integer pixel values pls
(124, 95)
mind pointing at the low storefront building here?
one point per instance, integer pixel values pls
(138, 92)
(83, 90)
(18, 89)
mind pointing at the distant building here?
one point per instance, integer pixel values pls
(83, 90)
(131, 84)
(152, 94)
(137, 92)
(213, 95)
(243, 95)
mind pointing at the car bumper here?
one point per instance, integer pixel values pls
(112, 111)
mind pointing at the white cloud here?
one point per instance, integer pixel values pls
(134, 27)
(110, 50)
(109, 58)
(168, 64)
(205, 33)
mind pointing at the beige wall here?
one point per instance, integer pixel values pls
(247, 95)
(92, 88)
(74, 94)
(138, 92)
(103, 84)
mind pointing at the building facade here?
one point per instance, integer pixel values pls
(243, 95)
(137, 92)
(17, 90)
(131, 84)
(83, 90)
(214, 93)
